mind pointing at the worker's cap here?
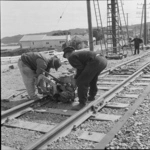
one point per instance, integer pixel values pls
(56, 62)
(68, 50)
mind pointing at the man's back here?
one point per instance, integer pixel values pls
(30, 59)
(83, 56)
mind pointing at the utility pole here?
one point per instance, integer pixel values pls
(127, 27)
(127, 20)
(113, 10)
(90, 25)
(145, 35)
(148, 35)
(141, 22)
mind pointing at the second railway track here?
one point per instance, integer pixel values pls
(49, 125)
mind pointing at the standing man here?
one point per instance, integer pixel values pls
(89, 65)
(30, 65)
(137, 42)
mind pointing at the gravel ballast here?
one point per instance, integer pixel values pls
(113, 111)
(123, 100)
(135, 134)
(44, 118)
(18, 138)
(72, 142)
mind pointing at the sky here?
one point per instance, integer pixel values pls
(24, 17)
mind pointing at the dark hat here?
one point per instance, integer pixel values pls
(68, 49)
(57, 63)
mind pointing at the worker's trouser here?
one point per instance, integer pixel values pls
(88, 78)
(28, 77)
(136, 50)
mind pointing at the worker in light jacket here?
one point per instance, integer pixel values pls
(137, 41)
(30, 65)
(89, 65)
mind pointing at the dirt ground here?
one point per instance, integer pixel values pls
(11, 80)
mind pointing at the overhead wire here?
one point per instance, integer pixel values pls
(57, 22)
(63, 12)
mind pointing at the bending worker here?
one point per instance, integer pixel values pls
(137, 42)
(89, 65)
(30, 65)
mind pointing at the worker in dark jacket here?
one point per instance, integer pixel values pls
(30, 65)
(137, 42)
(88, 65)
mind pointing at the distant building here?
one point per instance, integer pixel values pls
(40, 41)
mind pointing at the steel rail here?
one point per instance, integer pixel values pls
(65, 127)
(124, 63)
(16, 109)
(20, 107)
(102, 144)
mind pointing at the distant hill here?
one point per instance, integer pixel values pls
(12, 39)
(16, 38)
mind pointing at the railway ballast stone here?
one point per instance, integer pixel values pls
(135, 134)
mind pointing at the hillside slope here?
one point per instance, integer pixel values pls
(16, 38)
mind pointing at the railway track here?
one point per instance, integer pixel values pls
(9, 102)
(51, 125)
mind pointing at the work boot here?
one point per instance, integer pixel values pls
(91, 98)
(78, 106)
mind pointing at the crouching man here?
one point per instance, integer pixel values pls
(30, 65)
(89, 65)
